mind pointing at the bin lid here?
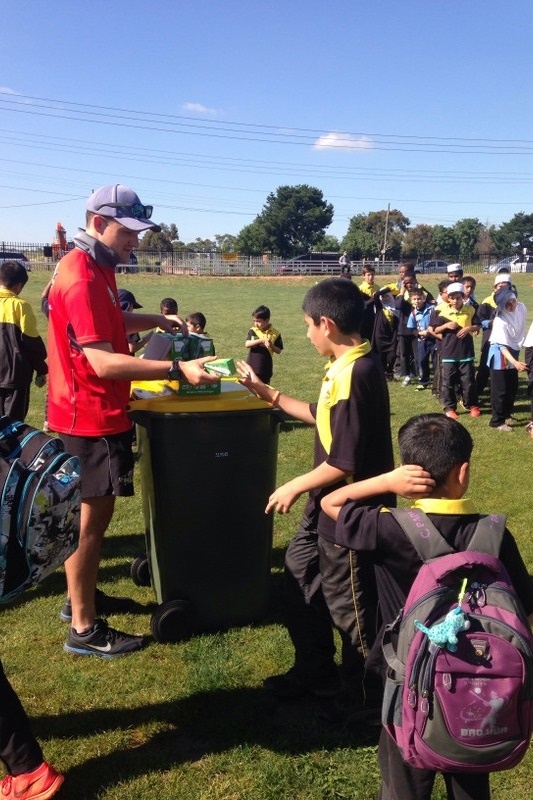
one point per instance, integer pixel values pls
(159, 397)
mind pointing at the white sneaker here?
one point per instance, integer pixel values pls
(406, 381)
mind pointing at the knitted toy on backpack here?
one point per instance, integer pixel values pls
(444, 634)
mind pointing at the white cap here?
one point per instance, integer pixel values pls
(455, 287)
(502, 277)
(454, 268)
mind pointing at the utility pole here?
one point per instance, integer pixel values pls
(384, 251)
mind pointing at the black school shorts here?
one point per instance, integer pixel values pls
(106, 463)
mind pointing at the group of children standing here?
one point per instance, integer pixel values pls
(415, 334)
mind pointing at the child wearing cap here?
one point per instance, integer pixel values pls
(129, 303)
(506, 338)
(457, 323)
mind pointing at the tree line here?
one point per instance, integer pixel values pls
(294, 221)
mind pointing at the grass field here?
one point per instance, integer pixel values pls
(189, 721)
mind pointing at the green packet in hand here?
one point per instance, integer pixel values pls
(223, 367)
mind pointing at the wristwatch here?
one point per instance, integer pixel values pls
(175, 373)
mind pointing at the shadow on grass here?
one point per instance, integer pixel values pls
(204, 724)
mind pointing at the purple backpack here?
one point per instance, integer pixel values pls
(459, 689)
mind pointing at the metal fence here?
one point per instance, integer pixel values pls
(223, 264)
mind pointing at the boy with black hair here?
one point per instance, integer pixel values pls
(196, 323)
(326, 585)
(469, 282)
(262, 340)
(457, 323)
(22, 351)
(442, 448)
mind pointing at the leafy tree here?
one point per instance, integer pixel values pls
(157, 241)
(365, 237)
(444, 242)
(201, 245)
(251, 241)
(225, 242)
(328, 244)
(294, 219)
(514, 235)
(418, 242)
(466, 232)
(485, 245)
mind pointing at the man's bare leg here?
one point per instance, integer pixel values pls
(82, 566)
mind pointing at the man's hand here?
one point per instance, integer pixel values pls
(172, 323)
(194, 372)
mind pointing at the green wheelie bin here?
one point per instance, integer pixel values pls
(207, 467)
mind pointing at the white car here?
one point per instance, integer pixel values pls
(513, 264)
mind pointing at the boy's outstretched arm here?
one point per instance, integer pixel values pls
(295, 408)
(408, 481)
(284, 497)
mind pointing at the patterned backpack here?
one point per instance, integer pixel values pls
(40, 497)
(459, 689)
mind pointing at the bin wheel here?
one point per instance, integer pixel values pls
(140, 571)
(173, 621)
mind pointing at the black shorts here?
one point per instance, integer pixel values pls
(106, 463)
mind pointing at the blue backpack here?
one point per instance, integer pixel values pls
(40, 501)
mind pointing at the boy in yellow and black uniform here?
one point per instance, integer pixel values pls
(457, 323)
(262, 340)
(325, 585)
(442, 448)
(22, 351)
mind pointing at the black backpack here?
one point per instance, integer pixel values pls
(40, 501)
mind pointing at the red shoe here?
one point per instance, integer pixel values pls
(41, 784)
(475, 412)
(452, 414)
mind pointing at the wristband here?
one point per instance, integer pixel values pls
(175, 373)
(274, 400)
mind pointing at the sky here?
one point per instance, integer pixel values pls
(206, 107)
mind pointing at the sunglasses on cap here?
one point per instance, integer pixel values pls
(137, 210)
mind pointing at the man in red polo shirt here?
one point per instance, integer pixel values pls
(90, 372)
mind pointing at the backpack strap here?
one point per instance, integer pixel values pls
(488, 535)
(429, 543)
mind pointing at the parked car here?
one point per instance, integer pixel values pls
(431, 266)
(311, 264)
(12, 255)
(512, 264)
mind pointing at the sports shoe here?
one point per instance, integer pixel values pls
(105, 604)
(420, 387)
(41, 784)
(452, 414)
(102, 641)
(505, 427)
(474, 411)
(288, 686)
(406, 381)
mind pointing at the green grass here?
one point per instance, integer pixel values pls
(189, 721)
